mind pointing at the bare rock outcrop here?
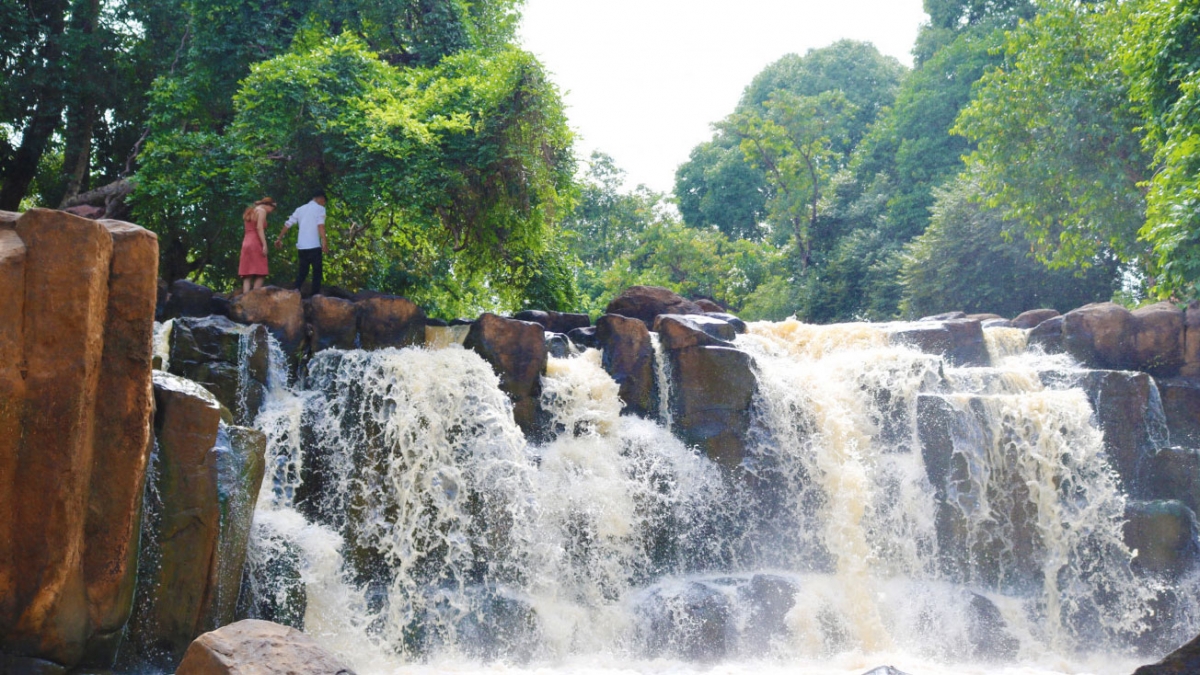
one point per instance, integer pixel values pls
(628, 356)
(516, 350)
(76, 325)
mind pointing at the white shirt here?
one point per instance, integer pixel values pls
(310, 217)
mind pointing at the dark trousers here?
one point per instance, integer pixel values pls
(309, 257)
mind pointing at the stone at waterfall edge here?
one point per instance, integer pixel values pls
(261, 648)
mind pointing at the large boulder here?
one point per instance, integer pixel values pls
(678, 331)
(334, 322)
(647, 302)
(280, 310)
(76, 325)
(1048, 335)
(253, 647)
(389, 321)
(206, 482)
(628, 355)
(554, 322)
(231, 361)
(1033, 317)
(1158, 339)
(1101, 335)
(959, 340)
(712, 389)
(696, 622)
(187, 298)
(1191, 340)
(516, 350)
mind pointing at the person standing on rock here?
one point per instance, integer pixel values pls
(311, 243)
(252, 267)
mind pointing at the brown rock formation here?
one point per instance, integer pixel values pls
(516, 350)
(678, 331)
(334, 322)
(628, 355)
(555, 322)
(1100, 335)
(390, 321)
(12, 392)
(1158, 339)
(1191, 340)
(1033, 317)
(279, 310)
(259, 648)
(647, 302)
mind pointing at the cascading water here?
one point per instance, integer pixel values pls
(410, 525)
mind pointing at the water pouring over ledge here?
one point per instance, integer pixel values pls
(891, 508)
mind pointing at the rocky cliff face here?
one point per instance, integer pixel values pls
(76, 324)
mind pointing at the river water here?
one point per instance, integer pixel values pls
(432, 536)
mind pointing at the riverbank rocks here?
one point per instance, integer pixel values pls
(253, 647)
(1048, 336)
(516, 350)
(230, 360)
(628, 356)
(334, 322)
(206, 482)
(76, 325)
(647, 302)
(1033, 318)
(958, 340)
(554, 322)
(712, 387)
(280, 310)
(1106, 335)
(389, 321)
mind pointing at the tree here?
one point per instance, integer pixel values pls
(1058, 151)
(968, 260)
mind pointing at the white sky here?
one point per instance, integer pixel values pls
(644, 79)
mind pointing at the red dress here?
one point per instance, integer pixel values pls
(254, 261)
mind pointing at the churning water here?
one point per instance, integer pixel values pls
(410, 524)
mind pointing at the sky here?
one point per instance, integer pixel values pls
(643, 80)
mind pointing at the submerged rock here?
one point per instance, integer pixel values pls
(1182, 661)
(695, 622)
(958, 340)
(259, 648)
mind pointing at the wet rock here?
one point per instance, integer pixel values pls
(259, 647)
(187, 298)
(334, 322)
(584, 338)
(739, 326)
(1182, 661)
(440, 337)
(1165, 536)
(712, 389)
(990, 637)
(221, 305)
(272, 586)
(280, 310)
(1049, 336)
(766, 600)
(501, 625)
(1100, 335)
(1158, 337)
(1034, 317)
(628, 356)
(390, 321)
(996, 323)
(695, 622)
(230, 360)
(647, 302)
(1128, 411)
(1181, 405)
(557, 345)
(516, 350)
(44, 491)
(1173, 473)
(678, 331)
(206, 479)
(959, 341)
(1191, 340)
(885, 670)
(554, 322)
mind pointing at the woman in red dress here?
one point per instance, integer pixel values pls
(253, 265)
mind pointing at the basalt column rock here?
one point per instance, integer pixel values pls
(230, 360)
(629, 357)
(122, 438)
(12, 392)
(516, 350)
(206, 481)
(712, 387)
(46, 614)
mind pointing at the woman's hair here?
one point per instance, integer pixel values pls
(265, 201)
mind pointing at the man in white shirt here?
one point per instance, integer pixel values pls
(311, 242)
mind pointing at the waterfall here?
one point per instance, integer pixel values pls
(892, 507)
